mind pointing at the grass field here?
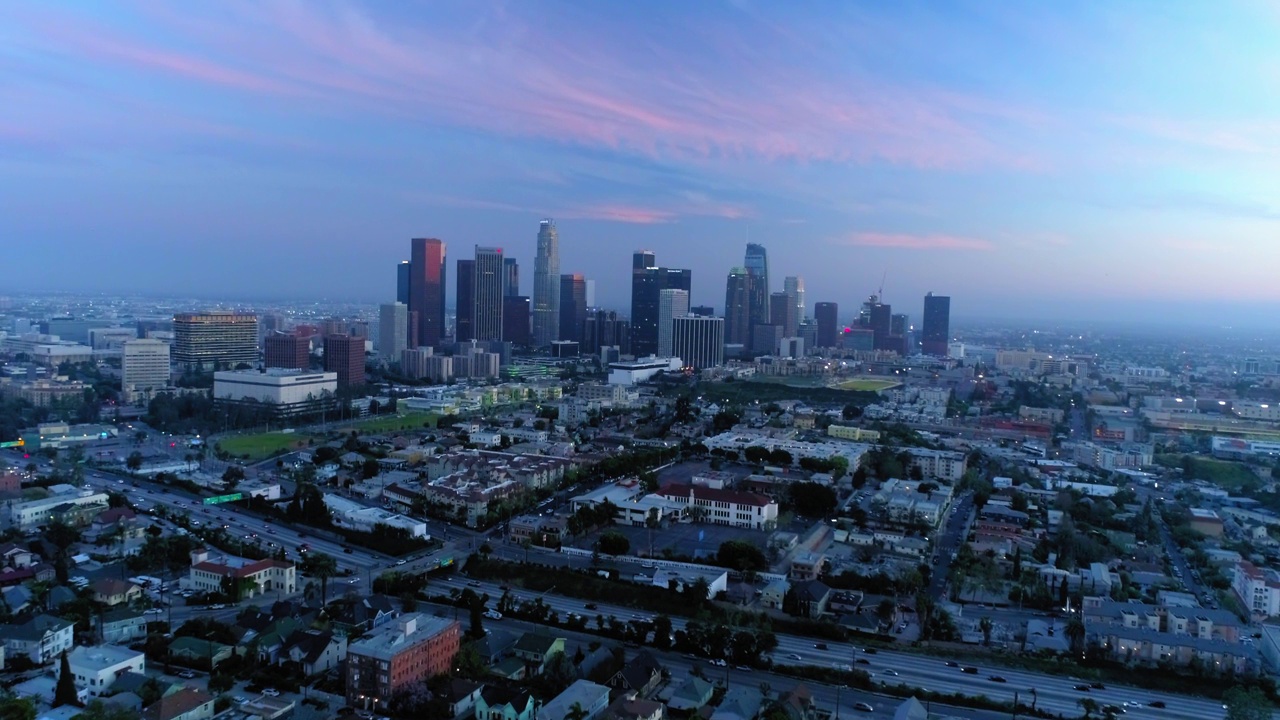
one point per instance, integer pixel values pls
(865, 385)
(799, 381)
(263, 444)
(391, 423)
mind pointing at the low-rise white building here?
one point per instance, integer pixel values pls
(96, 668)
(1257, 588)
(288, 392)
(41, 639)
(34, 513)
(261, 576)
(360, 517)
(642, 369)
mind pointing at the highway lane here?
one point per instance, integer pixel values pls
(1055, 693)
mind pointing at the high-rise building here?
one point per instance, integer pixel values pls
(427, 289)
(269, 323)
(900, 333)
(393, 328)
(144, 369)
(515, 319)
(209, 341)
(827, 315)
(793, 286)
(404, 276)
(344, 355)
(603, 328)
(573, 306)
(737, 307)
(671, 305)
(510, 277)
(335, 326)
(765, 339)
(780, 305)
(879, 319)
(413, 362)
(464, 328)
(936, 330)
(756, 263)
(397, 656)
(546, 285)
(702, 311)
(591, 293)
(488, 294)
(647, 284)
(698, 341)
(287, 350)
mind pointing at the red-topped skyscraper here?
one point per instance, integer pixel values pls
(427, 289)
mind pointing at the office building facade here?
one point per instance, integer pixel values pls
(737, 307)
(698, 341)
(546, 285)
(286, 350)
(780, 312)
(827, 314)
(144, 369)
(487, 317)
(464, 326)
(427, 288)
(603, 328)
(404, 276)
(573, 306)
(936, 329)
(510, 277)
(209, 341)
(515, 319)
(647, 283)
(756, 263)
(288, 392)
(671, 305)
(344, 355)
(393, 329)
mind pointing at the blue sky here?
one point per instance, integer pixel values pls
(1051, 159)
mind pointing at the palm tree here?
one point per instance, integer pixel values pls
(576, 712)
(986, 626)
(1075, 634)
(1089, 706)
(324, 567)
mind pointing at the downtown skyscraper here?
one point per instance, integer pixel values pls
(827, 315)
(573, 306)
(936, 330)
(546, 285)
(487, 288)
(427, 289)
(793, 286)
(737, 307)
(647, 283)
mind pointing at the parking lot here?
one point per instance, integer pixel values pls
(694, 540)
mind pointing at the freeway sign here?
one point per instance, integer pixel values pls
(219, 499)
(13, 443)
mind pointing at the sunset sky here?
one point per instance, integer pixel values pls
(1028, 159)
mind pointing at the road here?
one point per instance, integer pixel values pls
(951, 538)
(1050, 692)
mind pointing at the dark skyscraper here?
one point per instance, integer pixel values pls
(603, 328)
(546, 285)
(515, 319)
(427, 289)
(344, 354)
(757, 265)
(647, 284)
(827, 314)
(464, 325)
(573, 306)
(780, 305)
(737, 308)
(281, 350)
(936, 331)
(404, 274)
(487, 317)
(510, 277)
(879, 318)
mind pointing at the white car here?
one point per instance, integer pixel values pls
(493, 614)
(271, 692)
(400, 562)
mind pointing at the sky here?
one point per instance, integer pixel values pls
(1057, 160)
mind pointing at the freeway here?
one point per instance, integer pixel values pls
(1054, 693)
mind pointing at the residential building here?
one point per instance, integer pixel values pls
(640, 675)
(546, 285)
(812, 598)
(415, 647)
(497, 702)
(1257, 588)
(257, 577)
(287, 350)
(724, 507)
(536, 650)
(41, 639)
(584, 694)
(288, 392)
(427, 289)
(314, 651)
(1206, 522)
(122, 626)
(97, 668)
(211, 341)
(112, 592)
(698, 341)
(144, 369)
(185, 704)
(393, 329)
(944, 465)
(672, 303)
(692, 695)
(573, 306)
(31, 514)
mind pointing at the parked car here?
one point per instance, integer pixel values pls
(271, 692)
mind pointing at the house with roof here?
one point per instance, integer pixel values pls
(630, 707)
(495, 645)
(314, 651)
(641, 675)
(260, 576)
(15, 556)
(724, 507)
(812, 598)
(122, 626)
(797, 704)
(41, 639)
(198, 652)
(911, 709)
(186, 704)
(503, 703)
(584, 694)
(96, 668)
(692, 695)
(774, 594)
(112, 592)
(461, 696)
(535, 649)
(16, 598)
(741, 702)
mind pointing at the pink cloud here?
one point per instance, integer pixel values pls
(917, 242)
(623, 214)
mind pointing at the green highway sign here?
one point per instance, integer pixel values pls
(13, 444)
(219, 499)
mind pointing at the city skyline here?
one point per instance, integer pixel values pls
(1106, 173)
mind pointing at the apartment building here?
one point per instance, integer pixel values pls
(724, 507)
(415, 648)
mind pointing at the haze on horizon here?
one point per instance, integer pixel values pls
(1109, 161)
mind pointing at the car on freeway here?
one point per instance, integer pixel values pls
(952, 663)
(997, 678)
(473, 583)
(891, 672)
(1112, 710)
(863, 707)
(795, 656)
(1097, 686)
(1158, 704)
(820, 646)
(591, 606)
(493, 614)
(400, 562)
(969, 670)
(1082, 688)
(187, 675)
(862, 661)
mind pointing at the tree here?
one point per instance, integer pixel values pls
(370, 468)
(576, 711)
(1075, 632)
(65, 691)
(1089, 706)
(232, 476)
(98, 710)
(614, 543)
(813, 500)
(740, 555)
(986, 626)
(324, 567)
(885, 611)
(698, 590)
(16, 708)
(134, 462)
(1246, 704)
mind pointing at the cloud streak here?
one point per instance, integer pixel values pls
(899, 241)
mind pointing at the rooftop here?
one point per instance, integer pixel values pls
(101, 657)
(406, 632)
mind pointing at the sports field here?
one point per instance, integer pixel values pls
(263, 445)
(391, 423)
(866, 385)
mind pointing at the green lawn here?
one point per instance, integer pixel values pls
(263, 445)
(391, 423)
(866, 385)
